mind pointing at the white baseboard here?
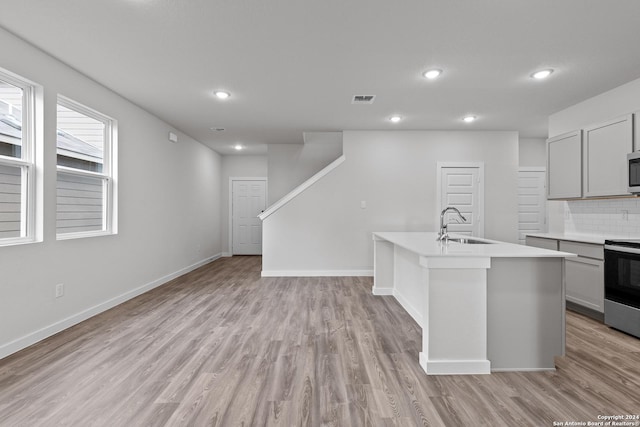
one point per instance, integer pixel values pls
(34, 337)
(522, 369)
(317, 273)
(406, 304)
(454, 367)
(226, 254)
(381, 291)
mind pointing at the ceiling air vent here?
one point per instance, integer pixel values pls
(363, 99)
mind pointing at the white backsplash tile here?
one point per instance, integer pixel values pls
(603, 217)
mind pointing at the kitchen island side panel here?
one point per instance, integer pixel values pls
(526, 313)
(411, 283)
(383, 267)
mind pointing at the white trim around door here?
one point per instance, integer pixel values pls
(480, 168)
(231, 180)
(532, 201)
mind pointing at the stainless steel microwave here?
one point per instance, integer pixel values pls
(633, 160)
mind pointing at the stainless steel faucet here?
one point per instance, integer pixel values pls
(444, 234)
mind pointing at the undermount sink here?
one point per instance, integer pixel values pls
(468, 241)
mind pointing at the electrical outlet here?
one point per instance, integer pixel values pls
(59, 290)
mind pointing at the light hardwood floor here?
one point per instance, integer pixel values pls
(223, 347)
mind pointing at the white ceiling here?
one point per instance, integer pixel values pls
(294, 65)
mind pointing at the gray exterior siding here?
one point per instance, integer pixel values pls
(10, 201)
(80, 204)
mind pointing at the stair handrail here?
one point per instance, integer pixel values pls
(301, 188)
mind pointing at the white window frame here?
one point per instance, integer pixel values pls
(108, 174)
(27, 162)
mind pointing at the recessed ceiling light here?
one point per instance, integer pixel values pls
(395, 119)
(432, 74)
(469, 119)
(238, 147)
(221, 94)
(542, 74)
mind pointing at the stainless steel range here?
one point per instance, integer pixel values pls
(622, 285)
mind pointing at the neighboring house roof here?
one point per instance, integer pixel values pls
(9, 126)
(68, 145)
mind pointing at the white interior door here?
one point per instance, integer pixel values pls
(532, 202)
(248, 201)
(462, 188)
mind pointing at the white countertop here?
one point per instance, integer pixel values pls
(582, 238)
(425, 244)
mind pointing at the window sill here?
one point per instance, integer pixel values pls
(84, 234)
(18, 241)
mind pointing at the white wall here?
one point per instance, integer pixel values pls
(597, 217)
(324, 229)
(291, 164)
(624, 99)
(238, 167)
(532, 152)
(169, 213)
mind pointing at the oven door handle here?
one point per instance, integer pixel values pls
(622, 249)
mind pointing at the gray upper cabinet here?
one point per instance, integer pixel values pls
(605, 150)
(564, 166)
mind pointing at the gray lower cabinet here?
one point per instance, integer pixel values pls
(585, 284)
(540, 242)
(584, 274)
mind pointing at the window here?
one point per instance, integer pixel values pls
(17, 159)
(85, 182)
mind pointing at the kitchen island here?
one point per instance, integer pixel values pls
(484, 307)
